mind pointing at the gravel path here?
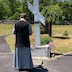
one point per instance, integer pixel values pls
(4, 47)
(6, 58)
(62, 64)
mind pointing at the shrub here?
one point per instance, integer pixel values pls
(65, 33)
(45, 40)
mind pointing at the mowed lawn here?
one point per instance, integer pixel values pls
(60, 29)
(63, 44)
(6, 29)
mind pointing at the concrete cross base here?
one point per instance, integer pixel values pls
(39, 61)
(41, 51)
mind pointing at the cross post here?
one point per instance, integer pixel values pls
(37, 18)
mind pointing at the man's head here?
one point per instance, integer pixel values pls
(23, 15)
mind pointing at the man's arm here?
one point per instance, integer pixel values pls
(30, 30)
(13, 31)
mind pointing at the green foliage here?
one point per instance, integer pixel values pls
(65, 33)
(52, 13)
(45, 40)
(67, 10)
(55, 12)
(2, 11)
(12, 5)
(16, 16)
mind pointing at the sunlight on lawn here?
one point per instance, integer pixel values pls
(6, 29)
(61, 45)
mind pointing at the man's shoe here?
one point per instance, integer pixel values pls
(21, 69)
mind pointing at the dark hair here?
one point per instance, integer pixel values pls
(23, 15)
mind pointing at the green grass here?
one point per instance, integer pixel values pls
(63, 44)
(6, 29)
(60, 29)
(56, 29)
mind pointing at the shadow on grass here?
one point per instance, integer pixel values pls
(68, 55)
(60, 37)
(56, 54)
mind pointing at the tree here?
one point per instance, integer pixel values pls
(2, 10)
(67, 10)
(53, 14)
(12, 5)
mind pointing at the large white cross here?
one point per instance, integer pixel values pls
(37, 17)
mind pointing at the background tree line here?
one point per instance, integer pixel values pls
(54, 12)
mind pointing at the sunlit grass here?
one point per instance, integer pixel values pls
(11, 41)
(60, 29)
(6, 29)
(61, 45)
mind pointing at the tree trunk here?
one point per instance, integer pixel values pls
(50, 29)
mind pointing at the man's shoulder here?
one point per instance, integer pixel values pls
(17, 22)
(22, 22)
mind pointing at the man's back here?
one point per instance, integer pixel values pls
(22, 34)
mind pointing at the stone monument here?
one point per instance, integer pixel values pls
(39, 50)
